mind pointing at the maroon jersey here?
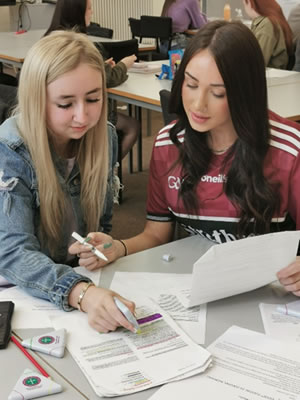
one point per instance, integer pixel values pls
(216, 217)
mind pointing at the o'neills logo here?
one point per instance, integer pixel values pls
(214, 179)
(174, 182)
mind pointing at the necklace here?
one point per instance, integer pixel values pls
(220, 151)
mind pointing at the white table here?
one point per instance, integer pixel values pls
(14, 47)
(241, 310)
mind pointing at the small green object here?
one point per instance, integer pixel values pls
(87, 239)
(107, 245)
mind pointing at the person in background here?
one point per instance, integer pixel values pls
(294, 21)
(272, 31)
(227, 168)
(57, 156)
(185, 15)
(76, 14)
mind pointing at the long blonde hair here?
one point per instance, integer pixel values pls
(47, 60)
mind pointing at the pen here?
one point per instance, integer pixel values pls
(93, 249)
(127, 314)
(34, 362)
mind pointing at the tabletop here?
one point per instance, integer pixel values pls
(241, 310)
(14, 47)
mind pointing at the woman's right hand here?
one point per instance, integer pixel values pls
(99, 304)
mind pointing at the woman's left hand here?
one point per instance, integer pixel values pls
(289, 277)
(112, 249)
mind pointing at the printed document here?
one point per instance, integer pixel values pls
(122, 362)
(166, 290)
(247, 365)
(236, 267)
(279, 325)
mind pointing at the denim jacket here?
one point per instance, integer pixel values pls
(23, 259)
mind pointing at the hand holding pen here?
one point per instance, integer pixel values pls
(91, 255)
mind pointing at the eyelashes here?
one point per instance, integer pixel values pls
(66, 106)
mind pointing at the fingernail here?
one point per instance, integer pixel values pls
(107, 245)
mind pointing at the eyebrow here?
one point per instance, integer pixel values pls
(211, 84)
(69, 96)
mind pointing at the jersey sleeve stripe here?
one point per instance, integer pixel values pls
(284, 147)
(286, 137)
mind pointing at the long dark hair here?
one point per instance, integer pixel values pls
(241, 64)
(68, 14)
(166, 6)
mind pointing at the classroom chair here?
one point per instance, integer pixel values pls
(95, 29)
(119, 50)
(160, 29)
(165, 101)
(135, 27)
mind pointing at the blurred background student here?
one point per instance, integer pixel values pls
(272, 31)
(185, 14)
(76, 14)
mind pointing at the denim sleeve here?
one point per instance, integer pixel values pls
(22, 261)
(105, 222)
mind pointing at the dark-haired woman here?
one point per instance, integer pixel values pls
(227, 168)
(76, 14)
(272, 31)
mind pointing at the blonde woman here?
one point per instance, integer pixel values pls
(56, 176)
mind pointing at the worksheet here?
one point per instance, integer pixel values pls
(166, 289)
(247, 365)
(123, 362)
(236, 267)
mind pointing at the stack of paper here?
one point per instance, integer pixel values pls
(145, 68)
(122, 362)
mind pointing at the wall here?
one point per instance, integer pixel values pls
(4, 19)
(215, 7)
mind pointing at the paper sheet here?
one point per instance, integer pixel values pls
(166, 290)
(145, 67)
(246, 366)
(278, 325)
(32, 312)
(123, 362)
(281, 77)
(236, 267)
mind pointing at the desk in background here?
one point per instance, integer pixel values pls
(241, 310)
(13, 47)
